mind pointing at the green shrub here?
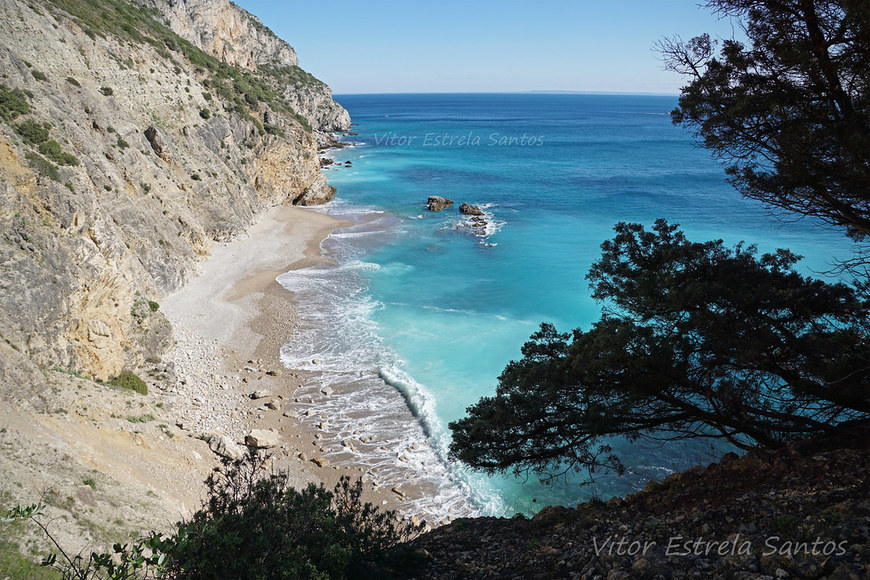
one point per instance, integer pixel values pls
(107, 91)
(52, 150)
(253, 525)
(42, 165)
(196, 177)
(122, 143)
(38, 75)
(153, 306)
(73, 82)
(273, 130)
(32, 132)
(255, 522)
(142, 419)
(128, 380)
(12, 103)
(205, 113)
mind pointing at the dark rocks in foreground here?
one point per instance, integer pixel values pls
(438, 203)
(799, 512)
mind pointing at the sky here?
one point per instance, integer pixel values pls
(411, 46)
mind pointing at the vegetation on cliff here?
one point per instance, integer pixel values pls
(242, 91)
(252, 525)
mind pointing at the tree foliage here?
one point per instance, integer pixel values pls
(697, 340)
(259, 527)
(788, 113)
(253, 525)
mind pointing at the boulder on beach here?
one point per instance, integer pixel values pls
(262, 438)
(226, 447)
(468, 209)
(437, 203)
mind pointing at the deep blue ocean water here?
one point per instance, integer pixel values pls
(421, 311)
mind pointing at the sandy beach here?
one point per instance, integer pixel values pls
(230, 323)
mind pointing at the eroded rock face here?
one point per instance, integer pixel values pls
(87, 252)
(226, 31)
(317, 193)
(438, 203)
(233, 35)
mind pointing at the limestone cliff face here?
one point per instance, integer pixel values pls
(124, 155)
(225, 31)
(232, 34)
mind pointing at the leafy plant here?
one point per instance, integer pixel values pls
(31, 132)
(13, 103)
(129, 380)
(253, 525)
(696, 340)
(142, 418)
(42, 165)
(254, 517)
(53, 151)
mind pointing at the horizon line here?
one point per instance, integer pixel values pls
(534, 92)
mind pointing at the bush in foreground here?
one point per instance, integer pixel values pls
(253, 525)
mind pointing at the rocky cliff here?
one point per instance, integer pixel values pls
(237, 37)
(131, 138)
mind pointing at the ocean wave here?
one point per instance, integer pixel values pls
(365, 418)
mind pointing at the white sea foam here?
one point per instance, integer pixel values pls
(366, 420)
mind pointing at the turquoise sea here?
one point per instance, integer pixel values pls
(419, 311)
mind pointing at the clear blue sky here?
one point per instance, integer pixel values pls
(406, 46)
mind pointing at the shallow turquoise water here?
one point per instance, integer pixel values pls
(437, 311)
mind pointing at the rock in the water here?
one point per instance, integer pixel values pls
(262, 438)
(437, 203)
(262, 394)
(468, 209)
(226, 447)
